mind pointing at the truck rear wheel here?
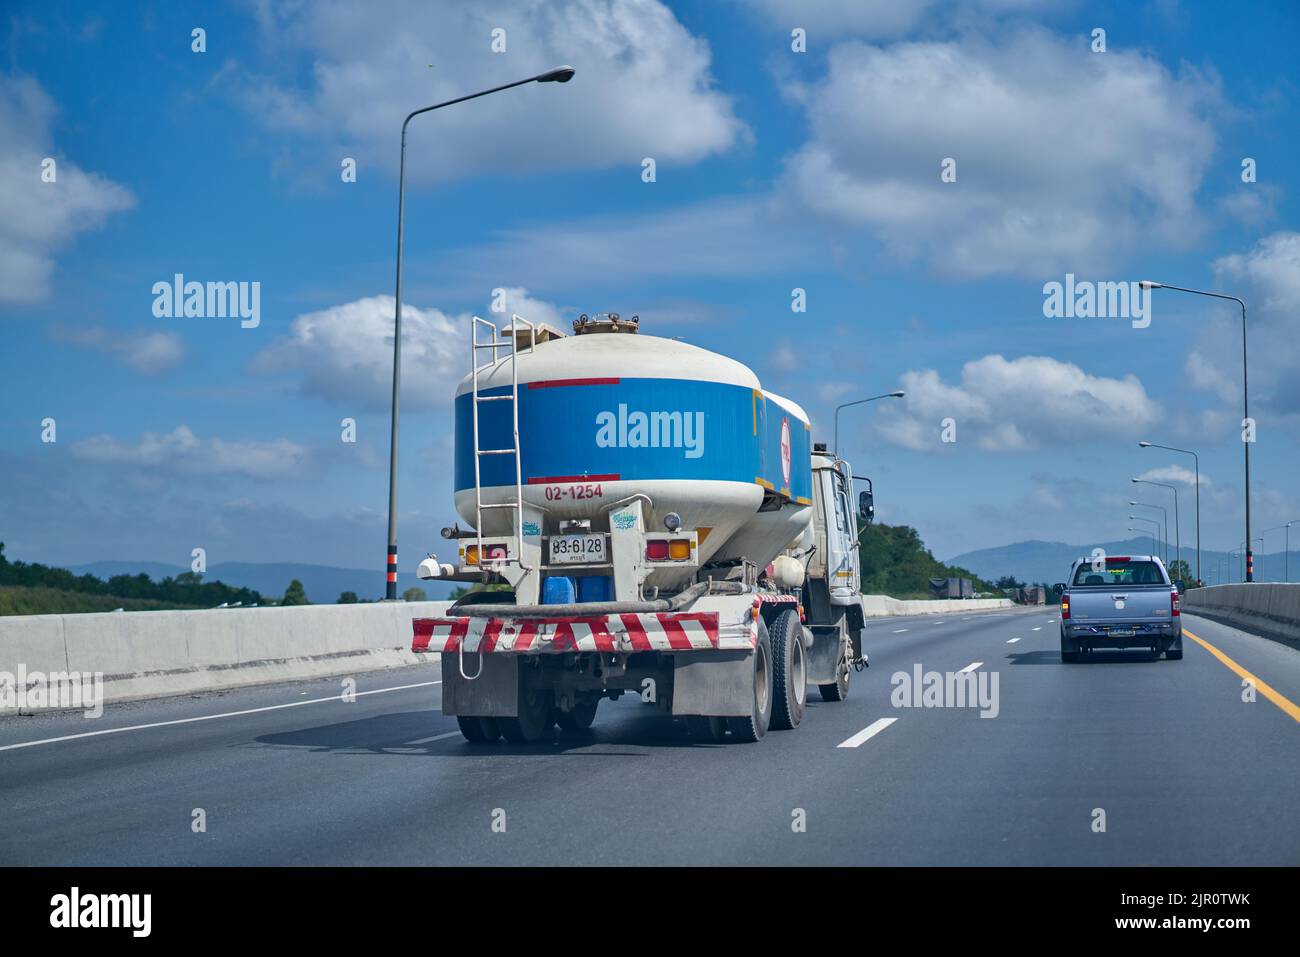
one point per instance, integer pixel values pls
(535, 718)
(580, 718)
(754, 726)
(838, 689)
(707, 728)
(478, 730)
(789, 673)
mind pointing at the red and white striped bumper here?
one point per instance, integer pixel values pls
(675, 631)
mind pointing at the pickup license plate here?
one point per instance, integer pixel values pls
(1121, 632)
(578, 550)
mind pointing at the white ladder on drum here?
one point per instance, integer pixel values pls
(501, 339)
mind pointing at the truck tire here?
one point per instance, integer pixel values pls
(535, 718)
(789, 671)
(478, 730)
(754, 726)
(838, 689)
(580, 718)
(707, 728)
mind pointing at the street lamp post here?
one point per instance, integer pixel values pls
(1178, 531)
(1165, 511)
(559, 75)
(1245, 399)
(1196, 460)
(897, 394)
(1155, 529)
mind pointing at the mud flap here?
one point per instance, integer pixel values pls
(714, 683)
(824, 655)
(494, 694)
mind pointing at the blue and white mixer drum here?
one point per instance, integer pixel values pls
(607, 416)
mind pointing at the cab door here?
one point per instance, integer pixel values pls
(842, 571)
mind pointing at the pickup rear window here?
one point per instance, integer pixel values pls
(1119, 572)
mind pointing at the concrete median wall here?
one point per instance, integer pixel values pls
(148, 654)
(880, 606)
(1269, 608)
(153, 654)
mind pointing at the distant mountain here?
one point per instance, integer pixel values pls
(323, 583)
(1037, 561)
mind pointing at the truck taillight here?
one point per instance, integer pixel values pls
(668, 549)
(1174, 602)
(1065, 608)
(491, 553)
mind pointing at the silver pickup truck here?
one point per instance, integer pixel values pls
(1120, 602)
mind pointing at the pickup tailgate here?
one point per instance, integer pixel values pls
(1106, 605)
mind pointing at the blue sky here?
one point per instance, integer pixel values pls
(774, 170)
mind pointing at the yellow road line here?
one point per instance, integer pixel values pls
(1267, 690)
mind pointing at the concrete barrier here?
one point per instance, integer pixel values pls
(155, 654)
(149, 654)
(1268, 608)
(881, 606)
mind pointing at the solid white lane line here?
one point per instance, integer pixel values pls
(899, 631)
(1012, 641)
(211, 717)
(436, 737)
(970, 667)
(867, 733)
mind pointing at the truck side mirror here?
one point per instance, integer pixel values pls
(1058, 587)
(1180, 585)
(866, 507)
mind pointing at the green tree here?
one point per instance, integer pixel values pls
(1180, 569)
(295, 594)
(414, 594)
(347, 598)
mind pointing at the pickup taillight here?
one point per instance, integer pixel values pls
(1065, 608)
(1173, 604)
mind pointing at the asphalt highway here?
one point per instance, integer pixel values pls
(1119, 761)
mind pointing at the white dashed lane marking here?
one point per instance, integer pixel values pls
(867, 733)
(970, 667)
(1012, 641)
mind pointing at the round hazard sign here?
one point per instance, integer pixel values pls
(785, 452)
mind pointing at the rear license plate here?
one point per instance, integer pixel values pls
(578, 550)
(1121, 632)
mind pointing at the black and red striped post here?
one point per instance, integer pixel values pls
(391, 593)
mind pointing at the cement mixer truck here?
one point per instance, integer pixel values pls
(655, 523)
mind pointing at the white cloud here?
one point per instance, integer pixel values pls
(1174, 473)
(829, 19)
(1207, 375)
(784, 358)
(1267, 277)
(345, 352)
(1272, 269)
(1003, 404)
(41, 218)
(348, 73)
(182, 452)
(1065, 158)
(732, 237)
(149, 353)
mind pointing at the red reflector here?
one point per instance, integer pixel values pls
(656, 549)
